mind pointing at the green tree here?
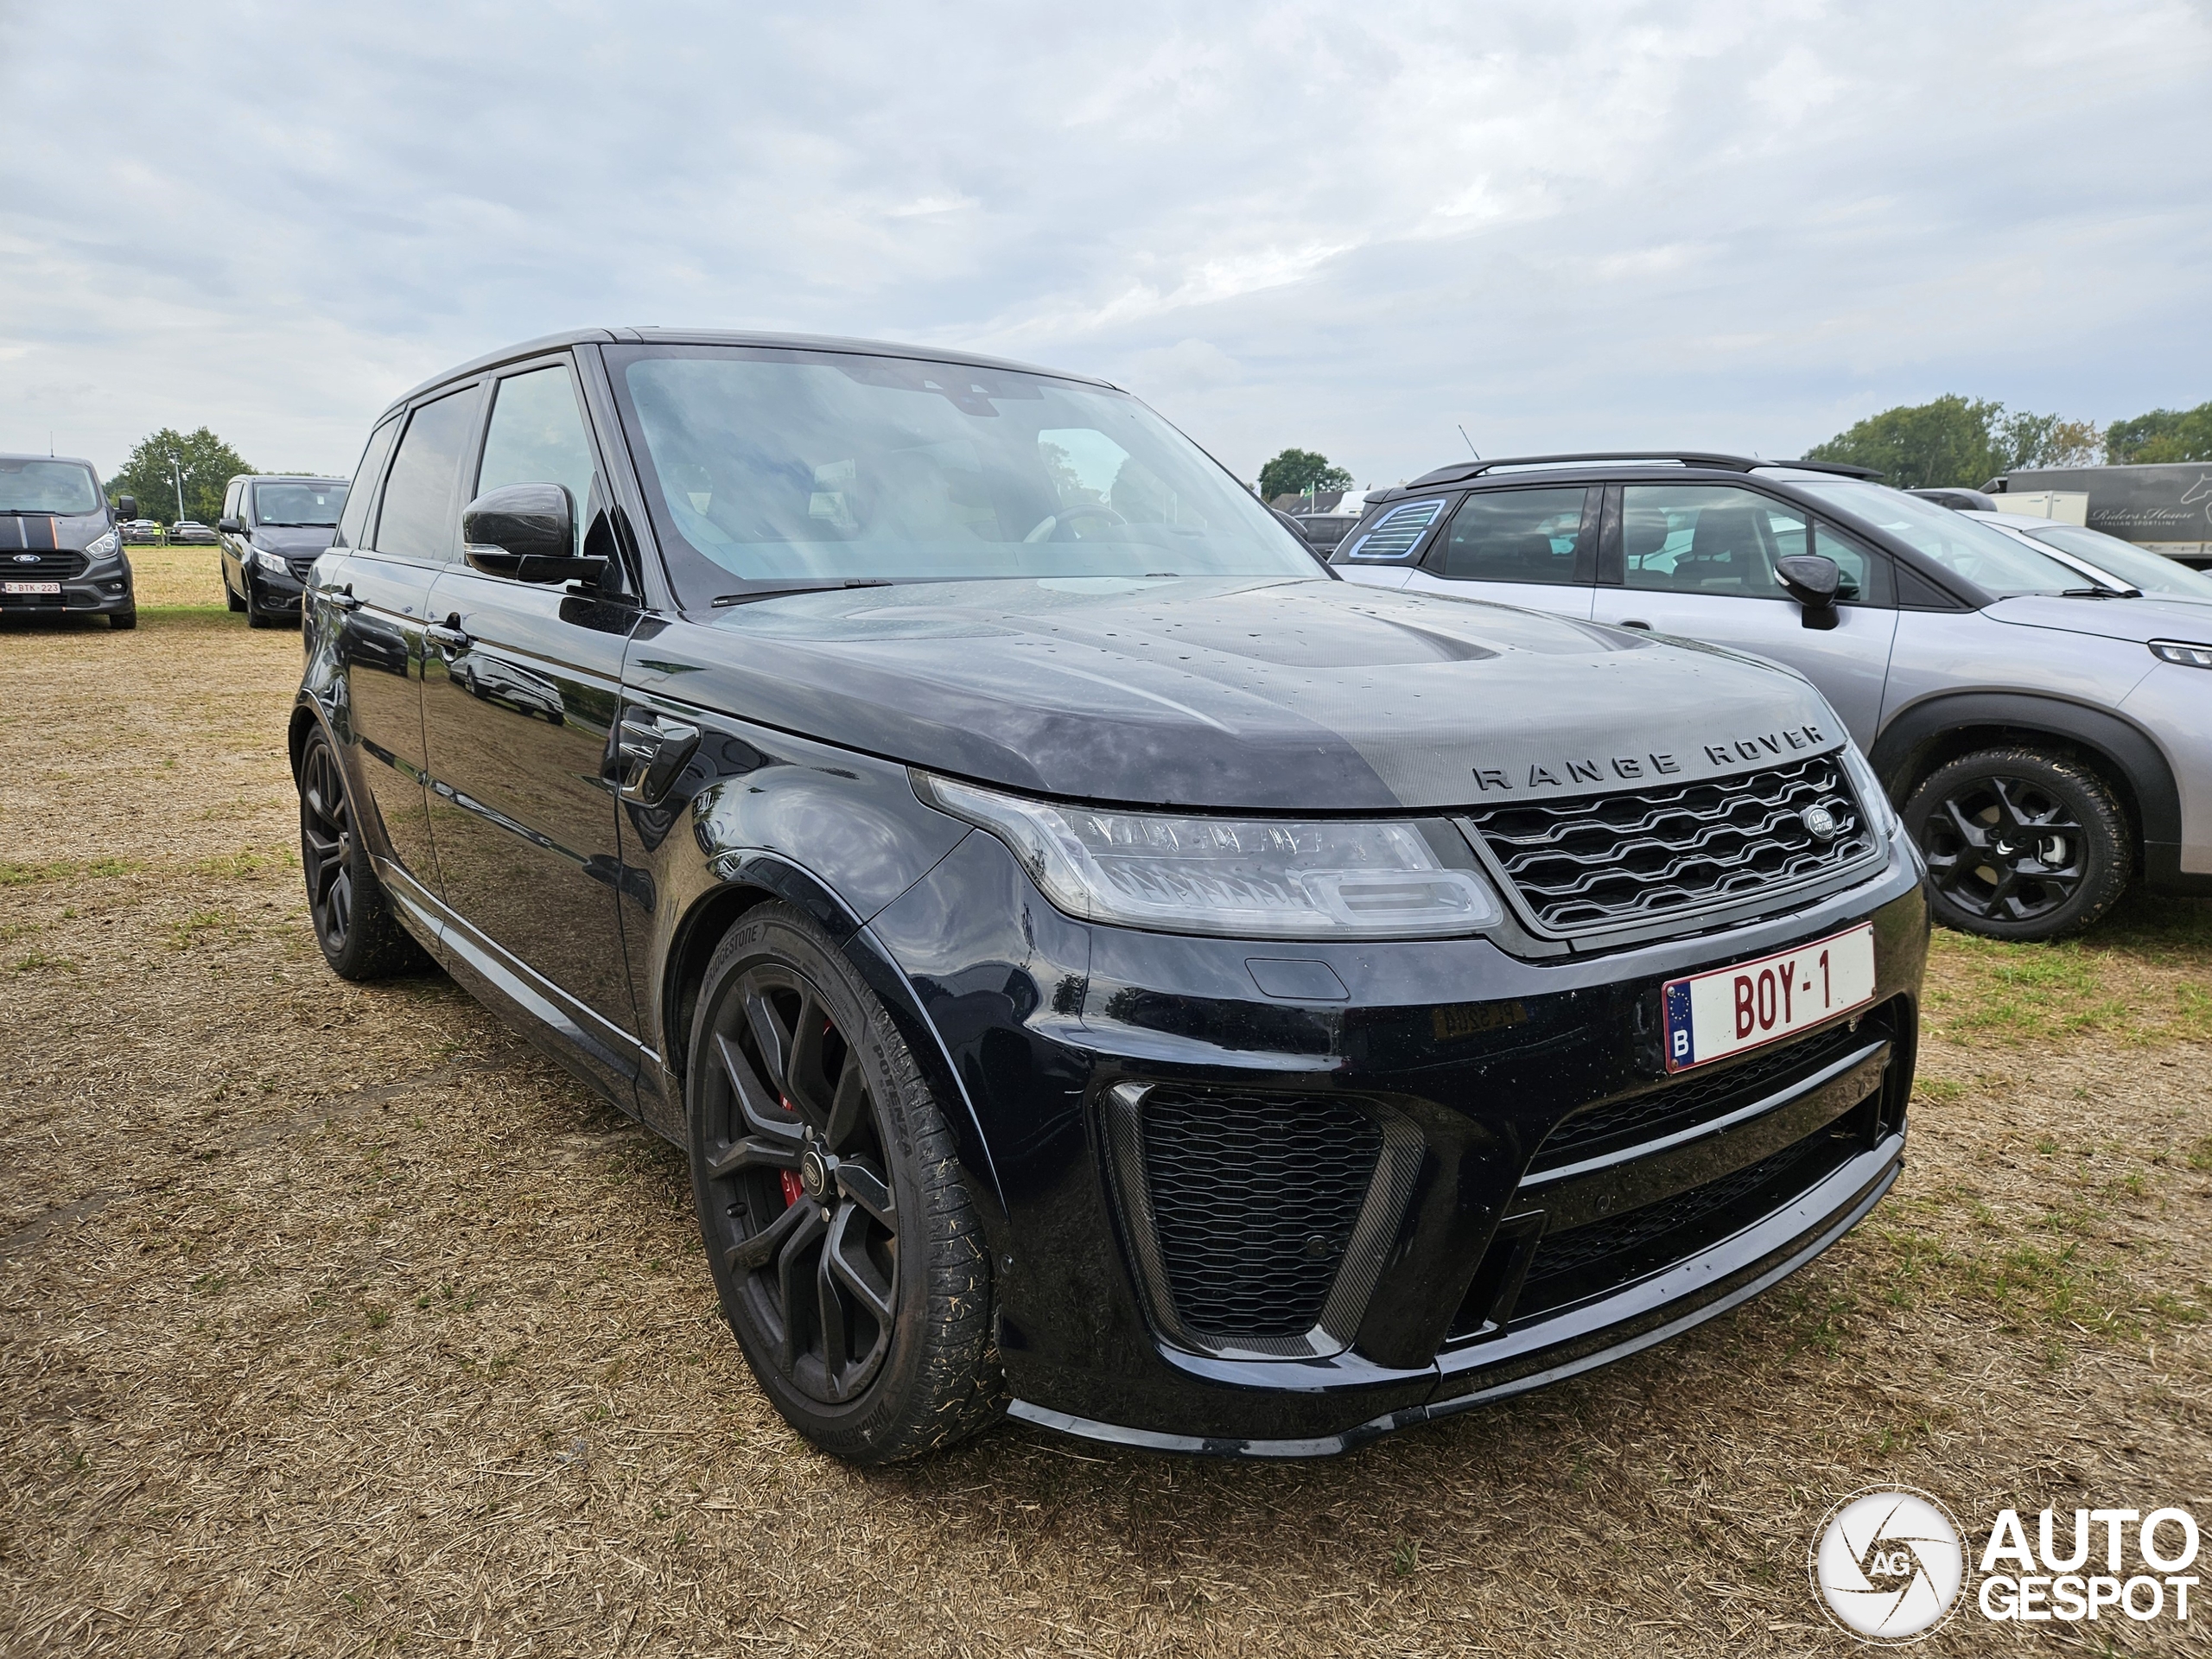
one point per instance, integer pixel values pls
(1957, 441)
(1296, 470)
(209, 464)
(2163, 434)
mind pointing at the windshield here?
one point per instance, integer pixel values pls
(55, 487)
(1983, 554)
(776, 468)
(299, 505)
(2153, 573)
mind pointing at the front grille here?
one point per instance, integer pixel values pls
(299, 568)
(40, 567)
(1608, 861)
(1700, 1095)
(1254, 1200)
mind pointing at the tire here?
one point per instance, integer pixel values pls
(230, 596)
(2019, 844)
(824, 1178)
(122, 621)
(255, 616)
(361, 936)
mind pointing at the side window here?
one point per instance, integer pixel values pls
(1705, 539)
(538, 436)
(1395, 534)
(230, 500)
(418, 516)
(363, 489)
(1515, 536)
(1862, 573)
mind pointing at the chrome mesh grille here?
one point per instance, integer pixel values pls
(1607, 862)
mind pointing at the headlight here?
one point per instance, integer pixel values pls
(1237, 878)
(2182, 653)
(1870, 791)
(272, 563)
(104, 547)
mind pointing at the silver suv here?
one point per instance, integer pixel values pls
(2047, 736)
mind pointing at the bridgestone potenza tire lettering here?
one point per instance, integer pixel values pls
(2020, 844)
(847, 1257)
(360, 936)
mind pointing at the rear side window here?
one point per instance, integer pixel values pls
(363, 490)
(1516, 535)
(418, 518)
(1397, 532)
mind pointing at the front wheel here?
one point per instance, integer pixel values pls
(2019, 844)
(255, 616)
(844, 1246)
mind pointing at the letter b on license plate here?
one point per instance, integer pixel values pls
(1713, 1016)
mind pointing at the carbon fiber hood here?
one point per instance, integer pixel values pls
(1274, 695)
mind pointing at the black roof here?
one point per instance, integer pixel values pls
(658, 336)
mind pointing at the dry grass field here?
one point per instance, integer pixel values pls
(335, 1321)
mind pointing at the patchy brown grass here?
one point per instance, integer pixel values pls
(333, 1321)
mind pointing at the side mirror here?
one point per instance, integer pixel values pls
(1812, 580)
(527, 532)
(230, 526)
(126, 506)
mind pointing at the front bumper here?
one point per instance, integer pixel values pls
(274, 593)
(1497, 1264)
(97, 587)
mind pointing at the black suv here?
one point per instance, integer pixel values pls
(60, 544)
(272, 529)
(1102, 966)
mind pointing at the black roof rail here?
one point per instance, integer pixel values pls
(1462, 473)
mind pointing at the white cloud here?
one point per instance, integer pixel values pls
(1346, 228)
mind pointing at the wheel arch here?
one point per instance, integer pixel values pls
(1941, 728)
(748, 881)
(307, 715)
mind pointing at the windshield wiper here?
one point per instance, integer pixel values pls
(297, 523)
(802, 588)
(2101, 593)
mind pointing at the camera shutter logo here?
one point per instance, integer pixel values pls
(1888, 1565)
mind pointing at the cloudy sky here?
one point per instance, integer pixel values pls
(1348, 227)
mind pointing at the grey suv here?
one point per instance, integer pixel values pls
(2048, 740)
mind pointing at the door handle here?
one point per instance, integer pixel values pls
(450, 633)
(1631, 622)
(652, 751)
(344, 600)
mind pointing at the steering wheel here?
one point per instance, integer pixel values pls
(1048, 527)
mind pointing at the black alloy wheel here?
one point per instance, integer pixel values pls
(2019, 844)
(843, 1246)
(360, 936)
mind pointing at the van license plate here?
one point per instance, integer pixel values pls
(1711, 1016)
(30, 587)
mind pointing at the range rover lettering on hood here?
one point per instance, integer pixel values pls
(1575, 773)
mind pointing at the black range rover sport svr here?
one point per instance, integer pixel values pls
(1102, 967)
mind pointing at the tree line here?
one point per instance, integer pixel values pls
(1963, 443)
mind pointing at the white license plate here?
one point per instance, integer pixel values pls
(1711, 1016)
(30, 586)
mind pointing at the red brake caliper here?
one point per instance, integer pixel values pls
(793, 1190)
